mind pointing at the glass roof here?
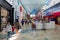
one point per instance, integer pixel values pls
(30, 5)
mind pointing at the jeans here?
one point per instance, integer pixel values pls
(33, 29)
(12, 33)
(9, 34)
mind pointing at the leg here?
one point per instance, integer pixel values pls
(9, 34)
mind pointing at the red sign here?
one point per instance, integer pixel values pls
(20, 8)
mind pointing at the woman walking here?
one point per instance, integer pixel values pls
(9, 29)
(17, 27)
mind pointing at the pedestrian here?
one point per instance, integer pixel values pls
(33, 25)
(17, 27)
(22, 22)
(43, 22)
(9, 29)
(13, 29)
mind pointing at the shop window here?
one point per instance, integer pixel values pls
(4, 14)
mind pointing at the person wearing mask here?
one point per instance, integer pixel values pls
(9, 29)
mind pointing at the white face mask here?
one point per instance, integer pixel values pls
(8, 24)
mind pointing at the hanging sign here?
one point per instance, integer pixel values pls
(20, 8)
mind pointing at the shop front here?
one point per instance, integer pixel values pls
(4, 14)
(57, 17)
(5, 11)
(54, 13)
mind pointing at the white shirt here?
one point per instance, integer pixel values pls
(9, 28)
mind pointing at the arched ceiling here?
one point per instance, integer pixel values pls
(33, 4)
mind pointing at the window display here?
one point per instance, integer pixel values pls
(4, 14)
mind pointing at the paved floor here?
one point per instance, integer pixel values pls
(39, 35)
(28, 34)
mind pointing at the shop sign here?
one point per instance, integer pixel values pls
(20, 8)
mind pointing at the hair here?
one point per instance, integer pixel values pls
(16, 20)
(8, 22)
